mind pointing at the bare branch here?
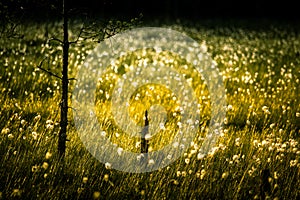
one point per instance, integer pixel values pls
(69, 107)
(47, 71)
(79, 35)
(56, 39)
(9, 30)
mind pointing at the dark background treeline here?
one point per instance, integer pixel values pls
(171, 9)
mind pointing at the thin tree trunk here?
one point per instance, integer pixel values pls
(145, 131)
(65, 82)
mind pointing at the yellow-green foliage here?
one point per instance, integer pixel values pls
(146, 96)
(260, 68)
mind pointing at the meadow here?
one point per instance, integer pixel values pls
(256, 157)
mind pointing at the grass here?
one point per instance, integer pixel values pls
(260, 68)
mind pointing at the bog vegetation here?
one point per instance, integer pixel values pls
(257, 156)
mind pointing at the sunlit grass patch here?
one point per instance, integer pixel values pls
(260, 69)
(147, 96)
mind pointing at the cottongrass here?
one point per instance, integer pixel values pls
(261, 131)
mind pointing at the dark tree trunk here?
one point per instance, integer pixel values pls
(65, 83)
(144, 142)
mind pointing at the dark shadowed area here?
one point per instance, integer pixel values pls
(169, 9)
